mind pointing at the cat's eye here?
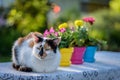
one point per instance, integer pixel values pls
(40, 46)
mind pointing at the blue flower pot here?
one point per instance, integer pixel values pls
(89, 55)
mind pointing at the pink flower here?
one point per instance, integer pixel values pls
(62, 30)
(51, 30)
(46, 33)
(56, 34)
(89, 19)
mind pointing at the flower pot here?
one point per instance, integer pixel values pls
(66, 54)
(77, 56)
(90, 54)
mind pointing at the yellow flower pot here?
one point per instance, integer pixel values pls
(66, 54)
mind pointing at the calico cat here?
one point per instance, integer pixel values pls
(36, 53)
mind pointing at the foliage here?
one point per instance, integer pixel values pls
(28, 16)
(66, 34)
(69, 14)
(7, 36)
(5, 58)
(82, 37)
(108, 25)
(23, 17)
(78, 34)
(115, 5)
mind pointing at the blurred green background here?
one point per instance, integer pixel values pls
(19, 17)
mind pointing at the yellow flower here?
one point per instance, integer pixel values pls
(78, 23)
(63, 25)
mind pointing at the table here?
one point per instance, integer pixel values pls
(106, 67)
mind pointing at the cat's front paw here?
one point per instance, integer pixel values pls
(25, 69)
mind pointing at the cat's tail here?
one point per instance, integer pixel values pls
(15, 55)
(15, 50)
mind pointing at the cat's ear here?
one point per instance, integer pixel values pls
(36, 39)
(57, 41)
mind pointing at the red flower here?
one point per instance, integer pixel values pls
(89, 19)
(56, 9)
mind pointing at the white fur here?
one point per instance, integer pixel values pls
(28, 57)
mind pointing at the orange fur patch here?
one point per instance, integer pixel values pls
(31, 44)
(38, 34)
(20, 40)
(28, 36)
(46, 46)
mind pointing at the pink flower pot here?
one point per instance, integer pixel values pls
(77, 56)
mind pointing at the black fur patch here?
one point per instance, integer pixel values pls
(15, 54)
(25, 69)
(15, 66)
(51, 43)
(40, 39)
(41, 52)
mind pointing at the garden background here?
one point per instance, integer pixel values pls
(19, 17)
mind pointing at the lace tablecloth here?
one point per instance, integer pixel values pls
(106, 67)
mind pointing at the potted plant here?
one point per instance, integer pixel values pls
(91, 43)
(78, 41)
(65, 48)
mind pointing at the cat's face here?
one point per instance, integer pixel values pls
(45, 48)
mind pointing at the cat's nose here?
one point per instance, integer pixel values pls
(41, 52)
